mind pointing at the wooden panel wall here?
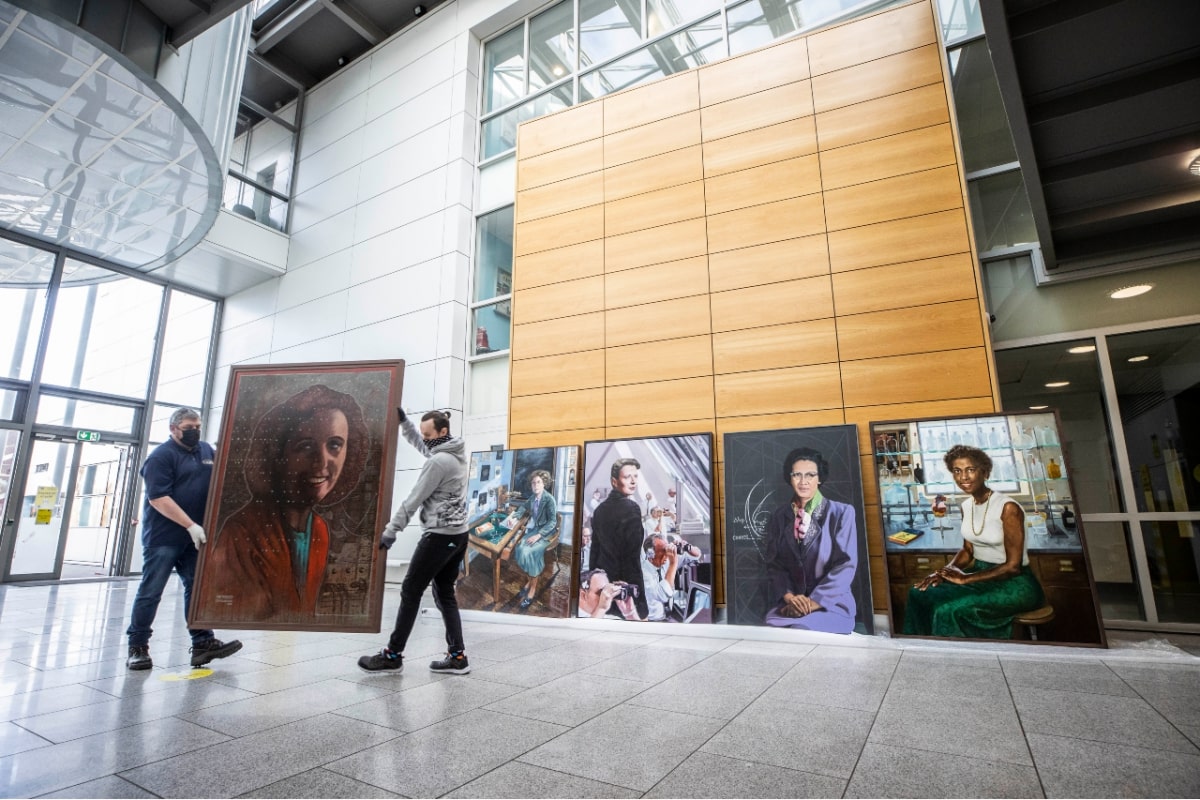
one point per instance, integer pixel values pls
(776, 240)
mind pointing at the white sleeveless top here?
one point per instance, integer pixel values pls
(988, 545)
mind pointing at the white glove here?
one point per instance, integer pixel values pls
(197, 534)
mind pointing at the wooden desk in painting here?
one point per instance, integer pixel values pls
(496, 545)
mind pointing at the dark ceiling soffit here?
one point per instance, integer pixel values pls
(285, 23)
(995, 23)
(356, 20)
(201, 21)
(285, 69)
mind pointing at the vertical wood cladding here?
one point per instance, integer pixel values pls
(776, 240)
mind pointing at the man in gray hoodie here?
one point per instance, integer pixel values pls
(440, 494)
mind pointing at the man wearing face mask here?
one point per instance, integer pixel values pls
(176, 475)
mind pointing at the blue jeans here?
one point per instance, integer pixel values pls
(157, 563)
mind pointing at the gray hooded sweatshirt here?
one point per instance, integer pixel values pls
(441, 489)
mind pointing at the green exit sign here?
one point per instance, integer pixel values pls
(87, 436)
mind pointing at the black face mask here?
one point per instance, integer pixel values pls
(190, 437)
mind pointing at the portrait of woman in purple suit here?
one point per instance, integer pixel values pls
(811, 552)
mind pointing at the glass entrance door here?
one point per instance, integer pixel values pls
(68, 520)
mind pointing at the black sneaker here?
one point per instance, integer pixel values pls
(381, 662)
(212, 650)
(454, 664)
(139, 657)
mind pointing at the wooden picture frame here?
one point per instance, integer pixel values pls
(301, 487)
(921, 521)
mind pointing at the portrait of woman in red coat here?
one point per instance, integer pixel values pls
(268, 560)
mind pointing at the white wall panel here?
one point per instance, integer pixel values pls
(448, 387)
(331, 127)
(318, 279)
(423, 111)
(335, 92)
(411, 337)
(415, 199)
(251, 340)
(415, 243)
(310, 321)
(344, 154)
(405, 161)
(322, 239)
(254, 303)
(410, 81)
(394, 294)
(324, 201)
(452, 330)
(412, 43)
(319, 350)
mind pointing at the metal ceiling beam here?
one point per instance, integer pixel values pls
(999, 41)
(1182, 201)
(356, 20)
(285, 24)
(198, 23)
(285, 69)
(1129, 156)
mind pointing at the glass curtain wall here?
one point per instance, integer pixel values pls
(93, 348)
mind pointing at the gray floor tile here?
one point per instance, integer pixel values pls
(1185, 671)
(1067, 676)
(644, 664)
(570, 700)
(984, 726)
(182, 697)
(951, 678)
(535, 669)
(711, 775)
(1075, 768)
(810, 738)
(48, 769)
(639, 746)
(34, 680)
(444, 756)
(1097, 717)
(781, 649)
(511, 647)
(1178, 702)
(318, 783)
(852, 678)
(516, 780)
(1192, 732)
(885, 771)
(257, 713)
(300, 653)
(46, 701)
(716, 687)
(110, 786)
(706, 644)
(15, 739)
(273, 679)
(417, 708)
(242, 765)
(949, 658)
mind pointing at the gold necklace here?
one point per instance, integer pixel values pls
(982, 522)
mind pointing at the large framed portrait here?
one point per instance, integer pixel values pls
(646, 535)
(301, 488)
(982, 531)
(795, 531)
(521, 507)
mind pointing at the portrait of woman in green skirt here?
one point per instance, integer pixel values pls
(989, 581)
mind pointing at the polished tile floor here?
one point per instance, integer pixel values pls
(578, 708)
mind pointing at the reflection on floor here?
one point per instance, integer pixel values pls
(579, 708)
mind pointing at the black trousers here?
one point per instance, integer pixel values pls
(436, 560)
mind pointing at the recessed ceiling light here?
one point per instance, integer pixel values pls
(558, 71)
(1194, 167)
(1126, 292)
(1057, 384)
(1038, 408)
(1136, 359)
(1083, 348)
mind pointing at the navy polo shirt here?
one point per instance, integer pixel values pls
(183, 475)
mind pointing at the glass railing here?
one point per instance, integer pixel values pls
(254, 201)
